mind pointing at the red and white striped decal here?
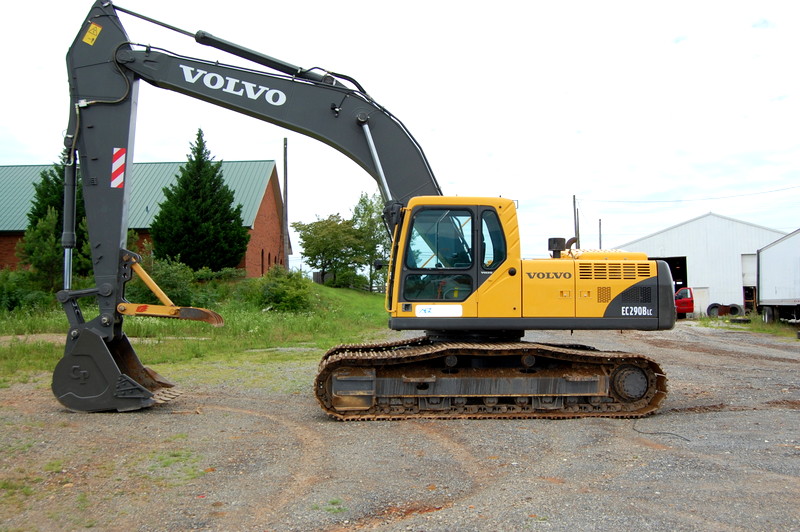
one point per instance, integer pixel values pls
(118, 168)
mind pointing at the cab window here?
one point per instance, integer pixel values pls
(440, 238)
(493, 242)
(440, 253)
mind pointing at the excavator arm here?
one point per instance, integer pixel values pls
(320, 106)
(100, 370)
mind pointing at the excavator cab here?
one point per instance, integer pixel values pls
(445, 249)
(458, 267)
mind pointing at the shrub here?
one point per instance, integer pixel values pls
(18, 290)
(10, 296)
(286, 291)
(174, 278)
(205, 274)
(348, 279)
(279, 289)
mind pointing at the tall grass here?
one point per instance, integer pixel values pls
(21, 360)
(25, 322)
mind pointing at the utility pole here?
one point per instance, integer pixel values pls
(286, 202)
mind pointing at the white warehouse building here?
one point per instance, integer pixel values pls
(713, 254)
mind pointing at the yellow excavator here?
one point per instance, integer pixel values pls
(455, 273)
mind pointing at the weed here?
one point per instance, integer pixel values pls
(333, 506)
(12, 487)
(15, 490)
(82, 501)
(17, 447)
(54, 466)
(169, 458)
(176, 464)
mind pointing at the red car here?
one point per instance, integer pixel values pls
(684, 302)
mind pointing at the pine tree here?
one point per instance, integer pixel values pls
(40, 249)
(197, 222)
(48, 194)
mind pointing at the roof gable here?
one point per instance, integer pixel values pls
(701, 220)
(247, 179)
(793, 234)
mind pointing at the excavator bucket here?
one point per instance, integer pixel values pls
(95, 376)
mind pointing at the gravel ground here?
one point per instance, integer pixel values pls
(722, 454)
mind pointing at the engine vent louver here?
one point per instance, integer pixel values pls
(614, 270)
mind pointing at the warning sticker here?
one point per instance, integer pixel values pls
(118, 168)
(92, 33)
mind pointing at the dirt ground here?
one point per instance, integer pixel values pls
(722, 454)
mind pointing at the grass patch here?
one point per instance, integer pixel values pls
(12, 487)
(176, 465)
(20, 360)
(26, 322)
(755, 325)
(54, 466)
(253, 345)
(17, 447)
(333, 506)
(169, 458)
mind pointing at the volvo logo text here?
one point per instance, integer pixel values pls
(549, 275)
(215, 81)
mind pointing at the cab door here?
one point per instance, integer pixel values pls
(439, 268)
(500, 294)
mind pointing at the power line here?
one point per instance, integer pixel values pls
(690, 200)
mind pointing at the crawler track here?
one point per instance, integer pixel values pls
(421, 378)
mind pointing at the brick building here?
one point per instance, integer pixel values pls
(254, 184)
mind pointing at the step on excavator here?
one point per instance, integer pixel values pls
(455, 272)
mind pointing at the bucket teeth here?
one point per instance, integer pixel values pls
(166, 395)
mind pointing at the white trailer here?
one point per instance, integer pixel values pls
(779, 279)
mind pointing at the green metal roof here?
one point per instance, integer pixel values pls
(16, 193)
(247, 179)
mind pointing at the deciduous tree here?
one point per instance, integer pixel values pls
(374, 242)
(330, 245)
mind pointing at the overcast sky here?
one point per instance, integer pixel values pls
(649, 113)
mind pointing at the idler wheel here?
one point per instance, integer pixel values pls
(630, 383)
